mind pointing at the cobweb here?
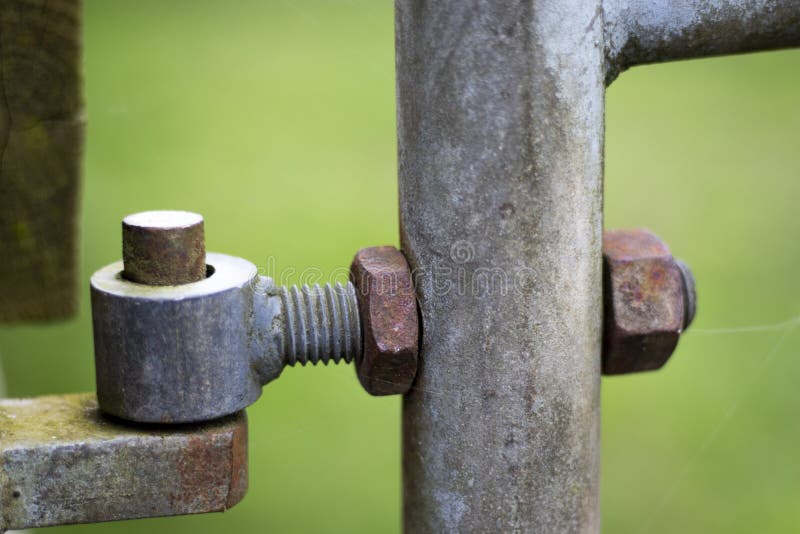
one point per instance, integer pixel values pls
(784, 328)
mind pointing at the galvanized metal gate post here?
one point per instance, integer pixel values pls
(500, 126)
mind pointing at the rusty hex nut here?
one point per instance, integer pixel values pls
(649, 299)
(387, 305)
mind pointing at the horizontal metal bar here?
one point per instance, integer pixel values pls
(650, 31)
(61, 462)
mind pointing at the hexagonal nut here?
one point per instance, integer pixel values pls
(389, 320)
(649, 300)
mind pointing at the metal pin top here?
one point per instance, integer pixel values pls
(162, 248)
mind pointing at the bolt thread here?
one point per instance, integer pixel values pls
(689, 294)
(320, 324)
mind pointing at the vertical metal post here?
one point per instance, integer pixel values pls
(500, 128)
(500, 121)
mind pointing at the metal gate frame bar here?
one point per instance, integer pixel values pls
(500, 110)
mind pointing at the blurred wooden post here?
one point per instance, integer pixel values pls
(41, 146)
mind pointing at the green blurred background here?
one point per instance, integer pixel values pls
(276, 121)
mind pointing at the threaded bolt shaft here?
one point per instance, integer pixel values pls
(320, 324)
(689, 294)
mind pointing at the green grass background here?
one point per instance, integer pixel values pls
(276, 121)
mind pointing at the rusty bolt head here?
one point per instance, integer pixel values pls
(649, 300)
(163, 248)
(388, 309)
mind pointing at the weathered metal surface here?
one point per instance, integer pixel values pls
(500, 128)
(500, 118)
(177, 354)
(647, 303)
(196, 351)
(388, 308)
(41, 147)
(200, 350)
(648, 31)
(162, 248)
(61, 462)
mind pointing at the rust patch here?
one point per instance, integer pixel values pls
(204, 473)
(239, 481)
(213, 469)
